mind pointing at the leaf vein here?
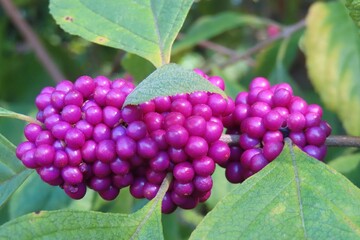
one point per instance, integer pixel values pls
(297, 181)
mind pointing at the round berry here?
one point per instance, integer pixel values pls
(184, 172)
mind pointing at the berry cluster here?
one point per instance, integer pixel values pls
(75, 146)
(89, 139)
(179, 135)
(262, 118)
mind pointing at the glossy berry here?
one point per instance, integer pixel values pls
(262, 118)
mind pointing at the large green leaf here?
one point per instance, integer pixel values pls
(12, 172)
(332, 48)
(354, 10)
(73, 224)
(210, 26)
(144, 27)
(169, 80)
(294, 197)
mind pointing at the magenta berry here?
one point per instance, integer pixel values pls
(263, 118)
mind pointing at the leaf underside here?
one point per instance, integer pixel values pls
(169, 80)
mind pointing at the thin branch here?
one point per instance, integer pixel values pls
(331, 141)
(285, 33)
(33, 40)
(343, 141)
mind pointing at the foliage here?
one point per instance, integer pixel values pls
(293, 197)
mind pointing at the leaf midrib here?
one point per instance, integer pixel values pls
(298, 187)
(158, 34)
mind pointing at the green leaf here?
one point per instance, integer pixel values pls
(137, 67)
(9, 114)
(35, 195)
(210, 26)
(354, 10)
(169, 80)
(294, 197)
(332, 48)
(72, 224)
(147, 28)
(349, 165)
(12, 172)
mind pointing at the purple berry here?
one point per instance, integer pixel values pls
(160, 162)
(100, 184)
(195, 125)
(106, 151)
(109, 194)
(101, 132)
(88, 151)
(93, 115)
(196, 147)
(85, 85)
(137, 188)
(74, 97)
(173, 118)
(204, 166)
(253, 126)
(31, 131)
(217, 104)
(162, 104)
(219, 151)
(198, 97)
(147, 148)
(183, 189)
(272, 149)
(136, 130)
(213, 131)
(111, 116)
(72, 175)
(259, 82)
(125, 147)
(315, 136)
(184, 172)
(258, 162)
(150, 190)
(101, 169)
(115, 98)
(234, 172)
(28, 159)
(203, 184)
(75, 191)
(182, 106)
(153, 121)
(217, 81)
(23, 147)
(296, 121)
(120, 166)
(44, 155)
(176, 136)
